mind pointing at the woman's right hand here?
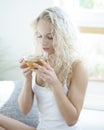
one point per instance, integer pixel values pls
(27, 72)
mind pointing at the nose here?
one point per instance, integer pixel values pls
(44, 41)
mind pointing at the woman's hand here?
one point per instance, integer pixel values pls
(27, 72)
(47, 74)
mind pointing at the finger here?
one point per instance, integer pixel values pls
(44, 77)
(44, 70)
(23, 64)
(41, 69)
(27, 73)
(21, 60)
(27, 70)
(46, 64)
(36, 65)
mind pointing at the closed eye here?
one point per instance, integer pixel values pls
(50, 38)
(39, 36)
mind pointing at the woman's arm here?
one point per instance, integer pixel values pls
(26, 96)
(71, 105)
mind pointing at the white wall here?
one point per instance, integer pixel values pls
(16, 34)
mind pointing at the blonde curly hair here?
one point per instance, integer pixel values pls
(63, 41)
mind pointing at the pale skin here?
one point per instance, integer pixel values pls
(69, 105)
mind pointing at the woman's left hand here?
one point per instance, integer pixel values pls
(47, 73)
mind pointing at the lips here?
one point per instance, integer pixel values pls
(45, 49)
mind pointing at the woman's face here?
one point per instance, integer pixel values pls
(45, 36)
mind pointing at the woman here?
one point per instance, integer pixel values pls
(60, 84)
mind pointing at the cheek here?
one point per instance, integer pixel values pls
(52, 48)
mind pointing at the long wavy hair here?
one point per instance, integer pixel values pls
(63, 41)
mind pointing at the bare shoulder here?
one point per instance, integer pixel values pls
(79, 77)
(79, 71)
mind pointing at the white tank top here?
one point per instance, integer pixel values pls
(49, 115)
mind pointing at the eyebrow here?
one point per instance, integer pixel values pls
(50, 33)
